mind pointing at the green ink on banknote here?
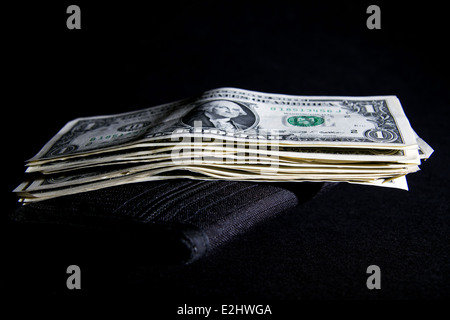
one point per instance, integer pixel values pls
(305, 121)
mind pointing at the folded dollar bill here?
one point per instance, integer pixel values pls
(232, 134)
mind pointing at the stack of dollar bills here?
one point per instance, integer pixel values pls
(232, 134)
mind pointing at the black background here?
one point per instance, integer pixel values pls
(128, 56)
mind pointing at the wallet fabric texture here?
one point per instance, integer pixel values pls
(179, 221)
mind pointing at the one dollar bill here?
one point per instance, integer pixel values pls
(232, 134)
(229, 113)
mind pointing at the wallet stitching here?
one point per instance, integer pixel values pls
(195, 199)
(227, 196)
(142, 205)
(269, 208)
(137, 196)
(193, 244)
(171, 200)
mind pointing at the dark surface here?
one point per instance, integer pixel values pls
(176, 221)
(127, 57)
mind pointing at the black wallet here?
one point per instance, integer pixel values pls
(172, 221)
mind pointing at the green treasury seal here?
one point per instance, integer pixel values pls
(305, 121)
